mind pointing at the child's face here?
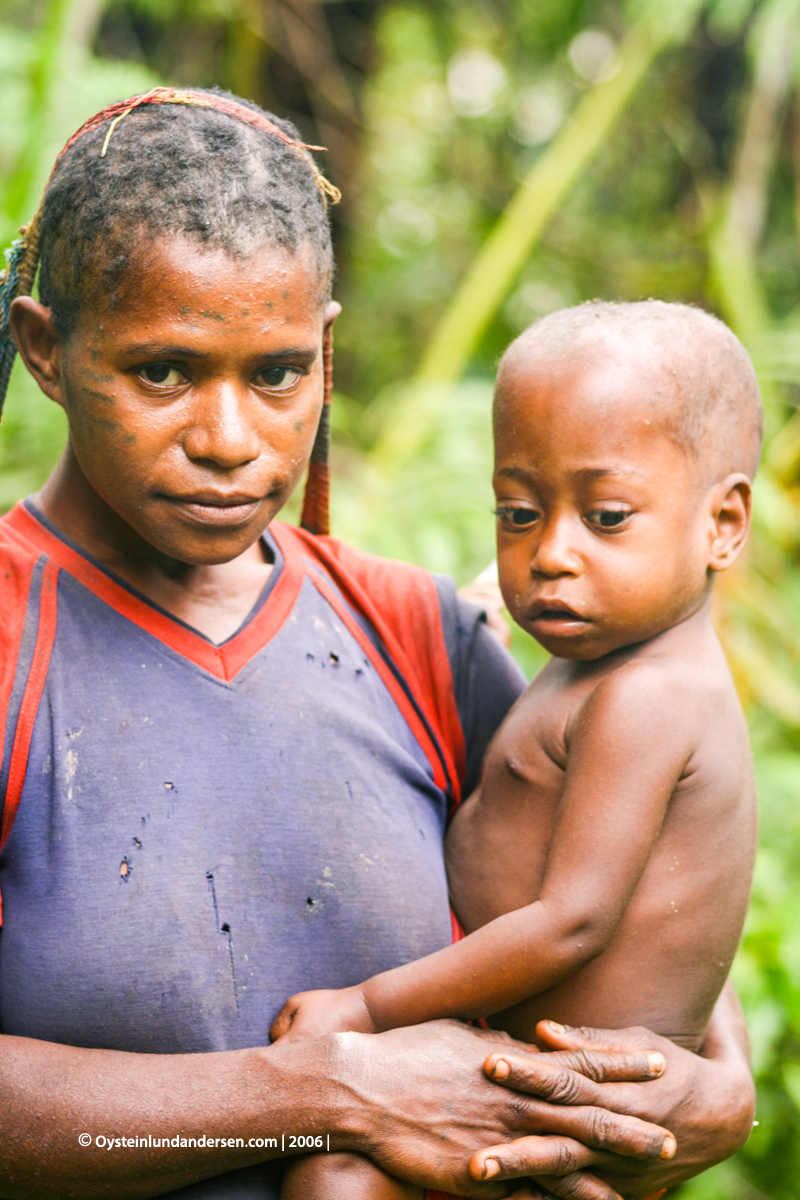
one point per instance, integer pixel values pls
(604, 532)
(193, 404)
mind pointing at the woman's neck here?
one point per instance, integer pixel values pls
(213, 599)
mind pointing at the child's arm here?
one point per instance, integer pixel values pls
(630, 744)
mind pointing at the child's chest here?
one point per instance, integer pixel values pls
(498, 841)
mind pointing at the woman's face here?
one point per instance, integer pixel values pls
(194, 402)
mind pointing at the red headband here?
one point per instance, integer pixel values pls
(167, 95)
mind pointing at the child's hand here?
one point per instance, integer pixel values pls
(313, 1014)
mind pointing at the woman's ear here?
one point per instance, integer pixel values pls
(38, 342)
(732, 501)
(332, 310)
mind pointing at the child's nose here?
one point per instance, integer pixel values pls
(221, 430)
(555, 553)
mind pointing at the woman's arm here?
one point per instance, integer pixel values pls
(707, 1100)
(416, 1100)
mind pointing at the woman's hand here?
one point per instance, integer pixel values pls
(424, 1106)
(706, 1100)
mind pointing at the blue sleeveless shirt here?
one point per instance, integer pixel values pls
(201, 831)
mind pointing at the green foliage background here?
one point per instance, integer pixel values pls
(500, 159)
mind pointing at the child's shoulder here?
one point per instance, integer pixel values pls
(676, 692)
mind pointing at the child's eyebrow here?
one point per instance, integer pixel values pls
(589, 474)
(583, 474)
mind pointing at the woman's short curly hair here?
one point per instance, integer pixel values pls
(173, 170)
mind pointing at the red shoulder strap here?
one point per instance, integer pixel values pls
(401, 604)
(17, 562)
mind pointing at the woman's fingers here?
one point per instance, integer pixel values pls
(578, 1186)
(603, 1055)
(616, 1041)
(576, 1106)
(530, 1156)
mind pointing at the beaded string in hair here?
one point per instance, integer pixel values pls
(22, 261)
(315, 516)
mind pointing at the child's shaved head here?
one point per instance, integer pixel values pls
(712, 408)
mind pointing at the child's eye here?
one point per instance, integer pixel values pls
(278, 379)
(162, 374)
(608, 518)
(519, 518)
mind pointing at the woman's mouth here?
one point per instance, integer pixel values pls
(223, 511)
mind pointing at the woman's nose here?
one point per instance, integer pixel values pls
(222, 430)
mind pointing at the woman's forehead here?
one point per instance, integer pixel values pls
(181, 281)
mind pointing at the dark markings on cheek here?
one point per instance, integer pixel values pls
(92, 425)
(95, 376)
(298, 426)
(285, 294)
(268, 305)
(212, 316)
(88, 393)
(185, 309)
(94, 355)
(245, 312)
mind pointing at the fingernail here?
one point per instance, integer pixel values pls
(556, 1028)
(501, 1070)
(656, 1063)
(669, 1147)
(491, 1168)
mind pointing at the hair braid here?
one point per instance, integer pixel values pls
(22, 259)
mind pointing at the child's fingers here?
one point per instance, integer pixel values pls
(283, 1022)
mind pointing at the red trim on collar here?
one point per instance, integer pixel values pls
(224, 661)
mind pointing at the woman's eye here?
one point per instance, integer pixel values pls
(162, 374)
(277, 379)
(518, 517)
(608, 518)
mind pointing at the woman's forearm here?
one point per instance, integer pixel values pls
(51, 1094)
(416, 1100)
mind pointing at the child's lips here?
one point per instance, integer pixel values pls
(554, 619)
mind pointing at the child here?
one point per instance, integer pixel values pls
(602, 869)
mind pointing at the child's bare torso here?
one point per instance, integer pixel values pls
(672, 951)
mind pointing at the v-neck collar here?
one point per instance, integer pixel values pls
(225, 660)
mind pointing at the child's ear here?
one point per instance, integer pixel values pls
(38, 342)
(731, 502)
